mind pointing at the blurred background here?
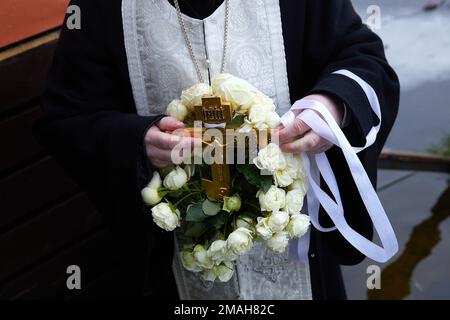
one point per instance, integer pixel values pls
(417, 40)
(46, 221)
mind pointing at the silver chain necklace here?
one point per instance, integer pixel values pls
(189, 44)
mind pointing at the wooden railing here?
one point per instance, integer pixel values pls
(391, 160)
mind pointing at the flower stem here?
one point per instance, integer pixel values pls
(225, 227)
(252, 205)
(185, 197)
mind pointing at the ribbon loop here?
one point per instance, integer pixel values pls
(318, 165)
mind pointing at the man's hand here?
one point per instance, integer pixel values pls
(159, 143)
(298, 136)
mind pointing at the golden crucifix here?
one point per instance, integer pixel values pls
(214, 111)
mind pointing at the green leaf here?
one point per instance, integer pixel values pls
(254, 177)
(195, 213)
(237, 121)
(207, 235)
(210, 208)
(265, 183)
(217, 221)
(196, 230)
(249, 173)
(188, 123)
(188, 247)
(251, 214)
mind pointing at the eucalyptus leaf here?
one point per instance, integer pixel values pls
(254, 177)
(211, 208)
(265, 183)
(196, 230)
(251, 214)
(237, 121)
(195, 213)
(188, 123)
(218, 220)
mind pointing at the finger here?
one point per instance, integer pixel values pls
(308, 142)
(164, 155)
(286, 139)
(323, 147)
(161, 139)
(159, 154)
(191, 140)
(175, 155)
(182, 142)
(169, 124)
(159, 164)
(296, 129)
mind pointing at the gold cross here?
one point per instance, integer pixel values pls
(214, 111)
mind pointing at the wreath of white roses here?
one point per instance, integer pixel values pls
(222, 231)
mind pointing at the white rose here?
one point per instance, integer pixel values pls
(262, 228)
(264, 101)
(278, 220)
(301, 173)
(273, 120)
(219, 79)
(282, 178)
(176, 179)
(217, 251)
(270, 158)
(230, 256)
(294, 201)
(258, 114)
(190, 170)
(193, 96)
(294, 165)
(209, 275)
(278, 242)
(165, 171)
(189, 262)
(245, 222)
(151, 196)
(274, 199)
(165, 218)
(298, 225)
(232, 203)
(261, 117)
(238, 92)
(202, 258)
(240, 241)
(292, 171)
(177, 110)
(300, 184)
(155, 183)
(224, 271)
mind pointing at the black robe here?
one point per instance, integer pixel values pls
(92, 128)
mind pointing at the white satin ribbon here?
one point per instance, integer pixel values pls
(318, 165)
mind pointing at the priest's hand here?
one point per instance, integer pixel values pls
(298, 136)
(159, 143)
